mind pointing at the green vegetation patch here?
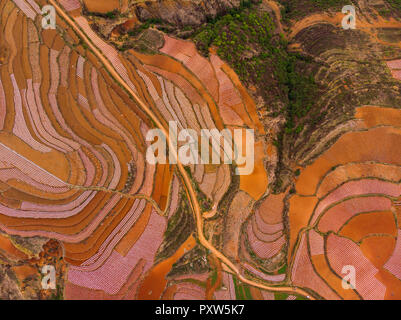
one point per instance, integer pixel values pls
(248, 41)
(108, 15)
(144, 26)
(396, 4)
(302, 93)
(245, 40)
(283, 269)
(284, 296)
(192, 262)
(58, 295)
(204, 201)
(179, 228)
(242, 291)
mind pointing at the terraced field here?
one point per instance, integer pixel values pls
(77, 192)
(345, 212)
(73, 145)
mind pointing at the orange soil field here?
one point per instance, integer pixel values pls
(378, 249)
(365, 153)
(376, 145)
(375, 116)
(24, 271)
(323, 269)
(102, 6)
(153, 285)
(8, 246)
(247, 182)
(369, 223)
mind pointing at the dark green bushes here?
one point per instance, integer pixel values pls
(247, 41)
(396, 4)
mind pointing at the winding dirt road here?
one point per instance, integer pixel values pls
(187, 182)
